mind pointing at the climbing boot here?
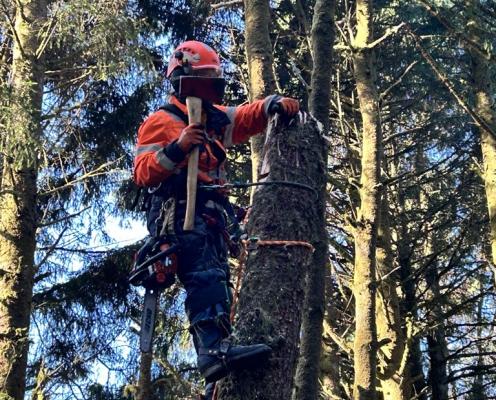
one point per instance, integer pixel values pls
(209, 391)
(216, 362)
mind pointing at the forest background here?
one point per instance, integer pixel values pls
(405, 225)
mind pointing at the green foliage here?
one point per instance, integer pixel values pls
(104, 73)
(103, 76)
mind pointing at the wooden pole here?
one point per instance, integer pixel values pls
(194, 105)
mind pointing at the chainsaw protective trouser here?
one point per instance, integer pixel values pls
(202, 269)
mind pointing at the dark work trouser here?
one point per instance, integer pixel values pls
(203, 270)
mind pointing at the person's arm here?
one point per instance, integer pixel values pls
(157, 154)
(251, 119)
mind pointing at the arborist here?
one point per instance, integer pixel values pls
(165, 140)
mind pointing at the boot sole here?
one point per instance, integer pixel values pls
(247, 361)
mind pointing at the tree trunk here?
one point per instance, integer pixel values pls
(478, 392)
(417, 383)
(436, 340)
(394, 378)
(330, 371)
(484, 107)
(271, 298)
(364, 287)
(18, 198)
(409, 307)
(307, 373)
(260, 64)
(144, 390)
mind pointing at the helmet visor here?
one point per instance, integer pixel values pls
(210, 72)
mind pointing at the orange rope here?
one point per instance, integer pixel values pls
(241, 267)
(285, 243)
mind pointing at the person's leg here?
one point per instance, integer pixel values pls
(204, 272)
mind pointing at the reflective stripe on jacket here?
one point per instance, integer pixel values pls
(157, 155)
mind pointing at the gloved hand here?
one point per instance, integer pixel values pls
(190, 136)
(286, 106)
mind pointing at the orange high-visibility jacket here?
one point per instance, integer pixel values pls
(157, 155)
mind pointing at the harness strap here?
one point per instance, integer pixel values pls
(173, 109)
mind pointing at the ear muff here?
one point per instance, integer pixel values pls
(174, 78)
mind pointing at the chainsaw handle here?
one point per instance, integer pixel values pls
(144, 266)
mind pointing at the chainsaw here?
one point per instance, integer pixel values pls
(154, 268)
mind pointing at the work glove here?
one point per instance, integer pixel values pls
(191, 136)
(285, 106)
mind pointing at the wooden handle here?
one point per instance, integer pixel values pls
(194, 105)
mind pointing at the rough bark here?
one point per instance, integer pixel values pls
(364, 285)
(260, 63)
(271, 298)
(322, 42)
(144, 390)
(477, 391)
(307, 373)
(18, 198)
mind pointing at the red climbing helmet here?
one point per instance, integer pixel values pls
(196, 55)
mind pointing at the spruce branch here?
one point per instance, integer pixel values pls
(479, 121)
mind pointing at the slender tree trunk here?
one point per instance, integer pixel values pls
(330, 371)
(436, 337)
(436, 340)
(307, 373)
(260, 65)
(409, 307)
(478, 390)
(271, 298)
(364, 287)
(414, 357)
(18, 198)
(394, 381)
(322, 42)
(144, 391)
(484, 107)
